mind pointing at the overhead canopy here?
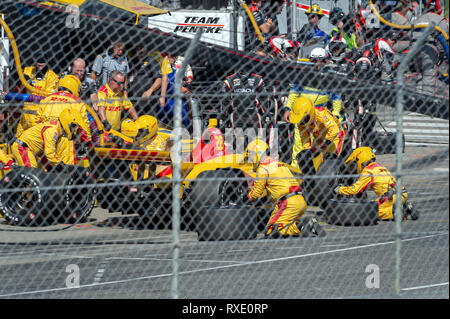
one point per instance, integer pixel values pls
(135, 6)
(132, 6)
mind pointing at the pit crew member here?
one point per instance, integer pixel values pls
(377, 178)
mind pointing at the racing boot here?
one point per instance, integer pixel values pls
(310, 227)
(273, 232)
(410, 211)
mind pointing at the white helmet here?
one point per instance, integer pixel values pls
(318, 54)
(284, 47)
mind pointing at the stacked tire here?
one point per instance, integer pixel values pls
(351, 212)
(217, 210)
(34, 197)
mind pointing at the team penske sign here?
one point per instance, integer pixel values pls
(217, 26)
(192, 24)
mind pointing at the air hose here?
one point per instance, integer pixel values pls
(35, 90)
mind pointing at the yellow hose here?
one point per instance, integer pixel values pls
(17, 60)
(35, 90)
(252, 19)
(397, 26)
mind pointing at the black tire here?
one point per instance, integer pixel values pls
(215, 223)
(80, 195)
(352, 212)
(32, 204)
(221, 188)
(328, 179)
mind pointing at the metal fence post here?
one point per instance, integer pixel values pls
(176, 164)
(399, 152)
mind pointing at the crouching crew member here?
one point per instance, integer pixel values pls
(283, 189)
(377, 178)
(43, 138)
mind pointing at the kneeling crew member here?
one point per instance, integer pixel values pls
(377, 178)
(43, 138)
(282, 187)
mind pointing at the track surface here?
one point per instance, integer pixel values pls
(124, 258)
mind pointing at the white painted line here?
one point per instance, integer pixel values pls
(181, 259)
(441, 169)
(427, 286)
(220, 267)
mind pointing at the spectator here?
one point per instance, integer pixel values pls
(175, 62)
(88, 87)
(165, 113)
(113, 59)
(111, 101)
(346, 28)
(265, 24)
(145, 71)
(161, 82)
(310, 36)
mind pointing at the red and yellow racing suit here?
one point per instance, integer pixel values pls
(323, 129)
(377, 178)
(6, 160)
(113, 104)
(320, 99)
(41, 139)
(49, 83)
(283, 190)
(49, 110)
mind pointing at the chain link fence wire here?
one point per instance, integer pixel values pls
(137, 163)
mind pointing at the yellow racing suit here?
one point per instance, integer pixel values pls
(41, 139)
(377, 178)
(48, 83)
(284, 191)
(319, 99)
(50, 108)
(6, 160)
(324, 129)
(113, 104)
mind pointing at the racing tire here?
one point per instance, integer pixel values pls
(351, 212)
(322, 190)
(215, 223)
(80, 195)
(38, 200)
(214, 188)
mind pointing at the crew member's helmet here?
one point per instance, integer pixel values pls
(142, 130)
(318, 54)
(362, 66)
(315, 9)
(303, 112)
(284, 47)
(337, 48)
(70, 83)
(255, 150)
(72, 123)
(361, 156)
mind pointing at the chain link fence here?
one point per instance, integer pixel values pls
(138, 163)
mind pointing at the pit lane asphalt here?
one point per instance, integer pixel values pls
(128, 259)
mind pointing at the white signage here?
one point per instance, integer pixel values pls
(217, 26)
